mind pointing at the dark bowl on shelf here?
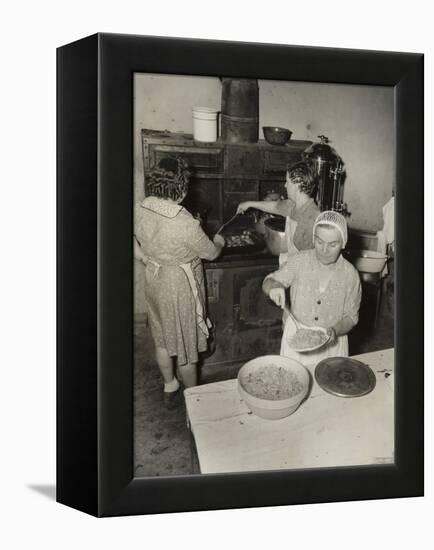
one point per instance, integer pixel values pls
(276, 135)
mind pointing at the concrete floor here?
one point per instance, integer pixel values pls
(161, 438)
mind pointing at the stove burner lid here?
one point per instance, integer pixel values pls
(345, 377)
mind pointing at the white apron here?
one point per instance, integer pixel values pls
(312, 358)
(291, 249)
(202, 321)
(290, 227)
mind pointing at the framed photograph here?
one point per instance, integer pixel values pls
(240, 310)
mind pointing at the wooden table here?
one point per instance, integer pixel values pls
(325, 431)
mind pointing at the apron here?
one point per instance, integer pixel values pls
(290, 227)
(291, 249)
(312, 358)
(203, 322)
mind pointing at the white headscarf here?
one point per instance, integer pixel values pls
(334, 219)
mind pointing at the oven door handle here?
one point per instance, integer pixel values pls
(236, 310)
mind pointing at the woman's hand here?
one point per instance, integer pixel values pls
(242, 207)
(219, 241)
(138, 252)
(340, 328)
(278, 296)
(331, 333)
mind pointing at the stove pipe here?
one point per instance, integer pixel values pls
(240, 110)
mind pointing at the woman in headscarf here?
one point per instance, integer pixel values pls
(171, 243)
(324, 288)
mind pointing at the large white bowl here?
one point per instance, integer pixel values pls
(279, 408)
(368, 261)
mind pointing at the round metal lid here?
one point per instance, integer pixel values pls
(345, 377)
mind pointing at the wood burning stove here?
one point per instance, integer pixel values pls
(223, 175)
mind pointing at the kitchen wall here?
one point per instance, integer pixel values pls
(359, 120)
(164, 102)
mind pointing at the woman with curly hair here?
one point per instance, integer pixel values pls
(299, 209)
(171, 243)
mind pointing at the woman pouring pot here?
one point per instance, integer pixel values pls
(299, 209)
(325, 290)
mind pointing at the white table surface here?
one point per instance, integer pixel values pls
(325, 431)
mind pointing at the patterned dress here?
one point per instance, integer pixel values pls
(173, 243)
(299, 229)
(313, 307)
(305, 218)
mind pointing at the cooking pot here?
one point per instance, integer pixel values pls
(275, 235)
(260, 217)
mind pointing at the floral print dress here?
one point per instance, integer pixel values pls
(174, 244)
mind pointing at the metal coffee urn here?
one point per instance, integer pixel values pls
(329, 170)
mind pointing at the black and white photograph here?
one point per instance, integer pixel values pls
(264, 242)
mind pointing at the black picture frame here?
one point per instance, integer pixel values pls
(95, 274)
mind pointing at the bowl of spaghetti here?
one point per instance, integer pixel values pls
(273, 386)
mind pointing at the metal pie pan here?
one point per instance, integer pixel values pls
(345, 377)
